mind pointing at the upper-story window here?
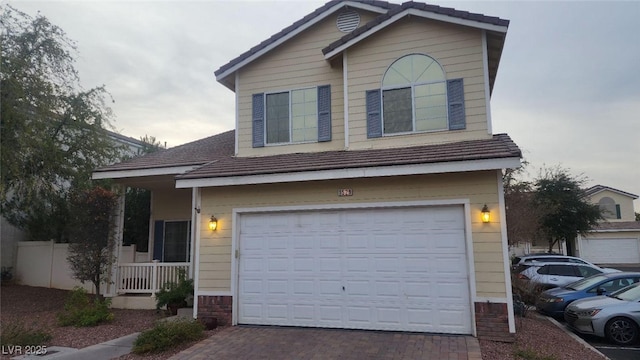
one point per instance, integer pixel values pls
(609, 208)
(415, 96)
(294, 116)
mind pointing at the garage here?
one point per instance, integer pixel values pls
(399, 268)
(611, 250)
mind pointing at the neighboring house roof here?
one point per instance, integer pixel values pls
(499, 146)
(599, 188)
(617, 226)
(495, 39)
(188, 155)
(125, 140)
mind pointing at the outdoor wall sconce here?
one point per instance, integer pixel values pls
(486, 214)
(213, 223)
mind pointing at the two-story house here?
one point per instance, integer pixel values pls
(361, 187)
(617, 239)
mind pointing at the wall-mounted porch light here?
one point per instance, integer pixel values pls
(486, 214)
(213, 223)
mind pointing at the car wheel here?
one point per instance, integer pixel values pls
(622, 331)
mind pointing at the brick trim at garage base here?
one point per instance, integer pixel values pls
(219, 307)
(492, 322)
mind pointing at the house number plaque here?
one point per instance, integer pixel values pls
(345, 192)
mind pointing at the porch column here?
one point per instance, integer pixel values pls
(118, 232)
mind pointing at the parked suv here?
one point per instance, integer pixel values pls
(553, 274)
(553, 257)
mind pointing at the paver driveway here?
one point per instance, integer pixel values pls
(267, 342)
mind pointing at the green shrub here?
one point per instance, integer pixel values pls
(80, 310)
(166, 334)
(175, 293)
(18, 335)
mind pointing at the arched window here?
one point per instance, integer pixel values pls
(609, 208)
(414, 96)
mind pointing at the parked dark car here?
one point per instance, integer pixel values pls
(553, 301)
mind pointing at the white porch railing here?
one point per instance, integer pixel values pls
(148, 278)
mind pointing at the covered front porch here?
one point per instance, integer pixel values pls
(141, 269)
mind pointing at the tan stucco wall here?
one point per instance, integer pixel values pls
(478, 187)
(626, 204)
(458, 49)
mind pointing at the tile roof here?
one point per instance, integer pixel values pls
(618, 225)
(198, 152)
(499, 146)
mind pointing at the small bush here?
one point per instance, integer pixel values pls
(80, 311)
(18, 335)
(525, 290)
(166, 334)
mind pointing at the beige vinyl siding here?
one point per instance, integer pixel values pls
(478, 187)
(298, 63)
(458, 49)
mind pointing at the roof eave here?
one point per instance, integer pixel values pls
(416, 12)
(351, 173)
(159, 171)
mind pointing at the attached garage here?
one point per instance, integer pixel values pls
(383, 268)
(611, 250)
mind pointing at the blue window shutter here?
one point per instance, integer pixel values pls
(374, 120)
(158, 240)
(455, 96)
(324, 113)
(618, 212)
(258, 120)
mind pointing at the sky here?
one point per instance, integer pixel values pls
(567, 90)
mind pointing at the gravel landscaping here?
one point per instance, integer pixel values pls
(536, 337)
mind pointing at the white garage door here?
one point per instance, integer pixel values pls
(384, 269)
(611, 251)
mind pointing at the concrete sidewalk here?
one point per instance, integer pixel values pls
(105, 351)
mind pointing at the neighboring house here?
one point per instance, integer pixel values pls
(616, 240)
(350, 193)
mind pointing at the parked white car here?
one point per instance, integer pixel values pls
(553, 274)
(552, 257)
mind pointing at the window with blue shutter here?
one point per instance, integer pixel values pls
(295, 116)
(324, 113)
(455, 98)
(374, 121)
(258, 120)
(415, 97)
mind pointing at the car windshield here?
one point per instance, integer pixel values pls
(630, 293)
(586, 283)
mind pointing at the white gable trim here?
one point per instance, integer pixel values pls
(398, 170)
(415, 12)
(120, 174)
(619, 192)
(298, 30)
